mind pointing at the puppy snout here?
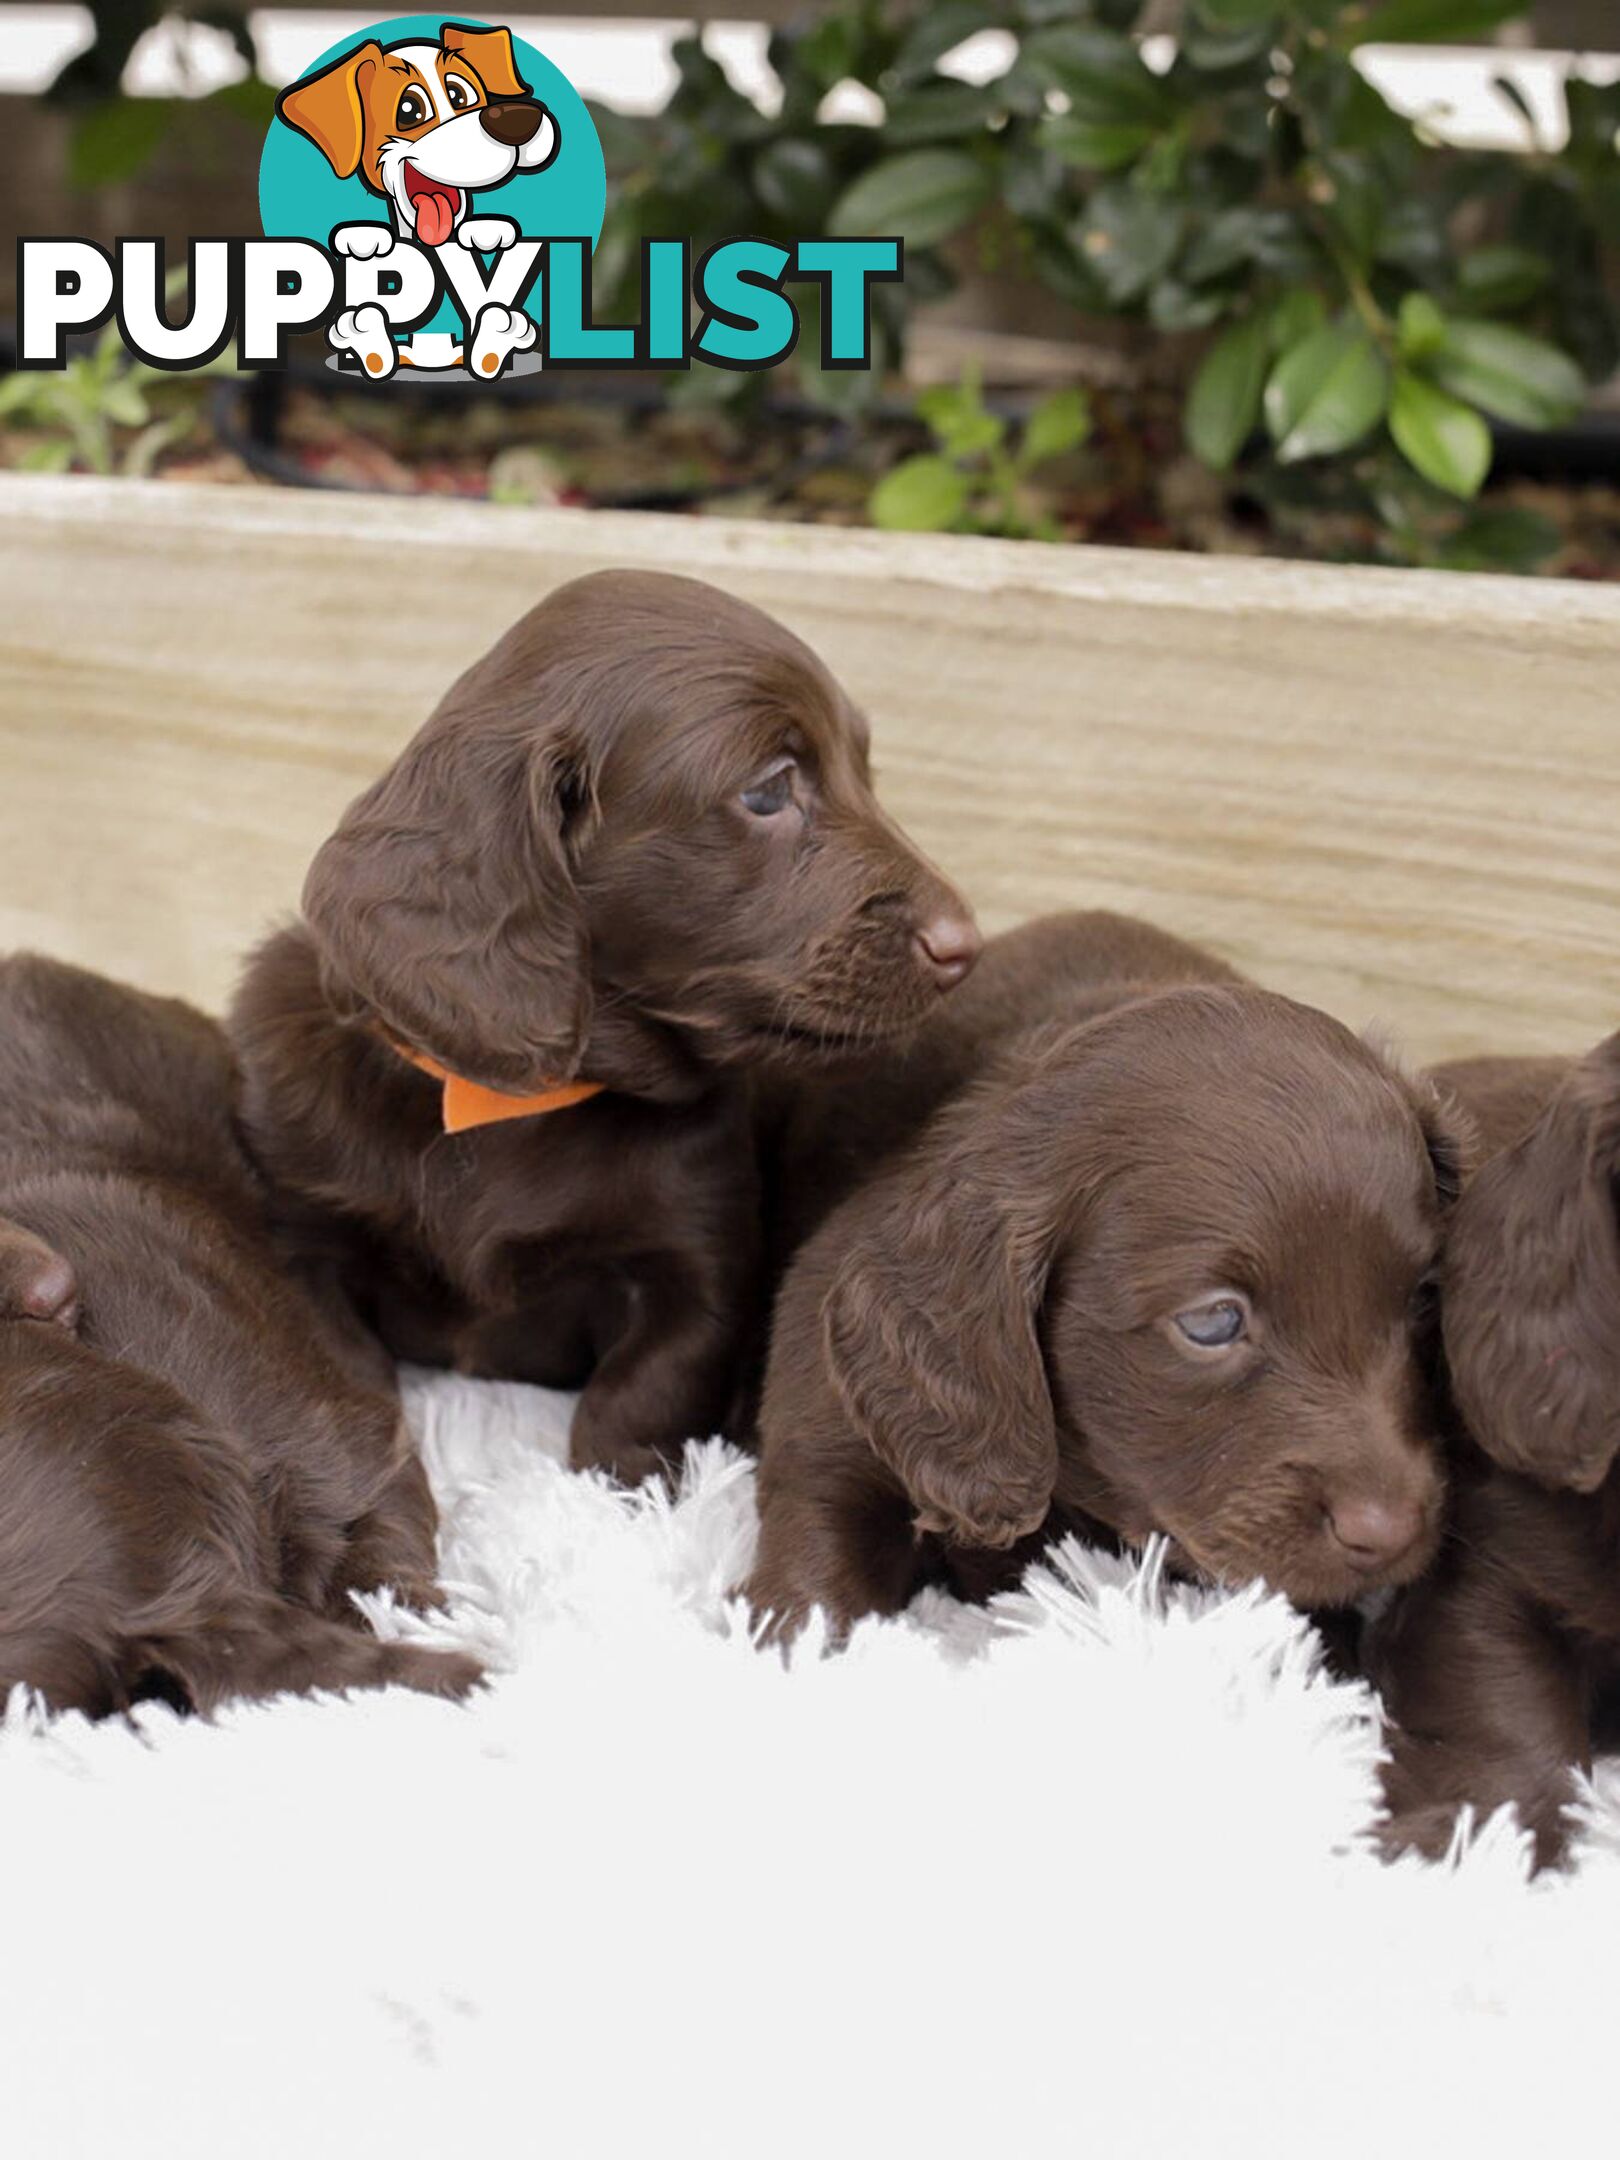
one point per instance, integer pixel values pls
(37, 1283)
(947, 945)
(1374, 1534)
(513, 122)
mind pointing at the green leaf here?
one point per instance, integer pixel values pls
(114, 140)
(1129, 239)
(1060, 423)
(1433, 22)
(1098, 145)
(793, 178)
(939, 112)
(925, 494)
(18, 392)
(1492, 278)
(1420, 327)
(1174, 306)
(1101, 73)
(1215, 48)
(1223, 403)
(1294, 315)
(1236, 14)
(924, 196)
(1325, 394)
(53, 456)
(1446, 442)
(934, 32)
(1594, 119)
(1269, 239)
(1508, 373)
(826, 51)
(954, 414)
(1500, 539)
(123, 404)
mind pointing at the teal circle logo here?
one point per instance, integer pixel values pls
(323, 173)
(302, 197)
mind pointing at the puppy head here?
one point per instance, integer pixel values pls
(424, 124)
(1175, 1266)
(649, 797)
(1530, 1296)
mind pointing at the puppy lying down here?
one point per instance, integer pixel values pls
(1161, 1268)
(191, 1479)
(1497, 1664)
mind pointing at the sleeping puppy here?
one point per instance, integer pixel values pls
(1494, 1667)
(633, 859)
(190, 1484)
(1159, 1271)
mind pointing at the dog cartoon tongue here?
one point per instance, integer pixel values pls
(435, 206)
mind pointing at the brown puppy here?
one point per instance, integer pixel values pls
(1494, 1665)
(637, 847)
(1158, 1271)
(191, 1484)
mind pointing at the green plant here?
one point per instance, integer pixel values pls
(82, 413)
(977, 479)
(1337, 292)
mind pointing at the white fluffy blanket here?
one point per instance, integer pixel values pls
(1084, 1875)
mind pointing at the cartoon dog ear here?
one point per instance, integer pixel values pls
(444, 905)
(329, 108)
(930, 1325)
(1530, 1296)
(490, 54)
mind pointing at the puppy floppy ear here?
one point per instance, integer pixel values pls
(1531, 1289)
(444, 906)
(930, 1327)
(329, 108)
(491, 56)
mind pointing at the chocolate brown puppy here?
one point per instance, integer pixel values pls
(1494, 1666)
(636, 850)
(190, 1483)
(1160, 1271)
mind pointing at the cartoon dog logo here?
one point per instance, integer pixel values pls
(424, 125)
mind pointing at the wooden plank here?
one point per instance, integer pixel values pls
(1395, 793)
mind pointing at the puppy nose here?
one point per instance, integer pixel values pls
(512, 123)
(948, 947)
(38, 1284)
(1375, 1533)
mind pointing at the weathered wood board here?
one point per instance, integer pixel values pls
(1395, 793)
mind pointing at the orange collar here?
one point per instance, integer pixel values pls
(469, 1104)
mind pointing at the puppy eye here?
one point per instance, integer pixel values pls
(1216, 1325)
(458, 93)
(413, 110)
(773, 794)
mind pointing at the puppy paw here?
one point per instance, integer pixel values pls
(363, 242)
(364, 331)
(991, 1513)
(498, 333)
(486, 234)
(627, 1462)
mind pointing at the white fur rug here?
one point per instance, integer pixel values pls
(1081, 1876)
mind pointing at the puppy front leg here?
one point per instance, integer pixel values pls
(1490, 1707)
(671, 1375)
(841, 1542)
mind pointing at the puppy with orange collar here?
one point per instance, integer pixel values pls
(423, 125)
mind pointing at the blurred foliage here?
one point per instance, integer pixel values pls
(977, 477)
(1338, 291)
(105, 412)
